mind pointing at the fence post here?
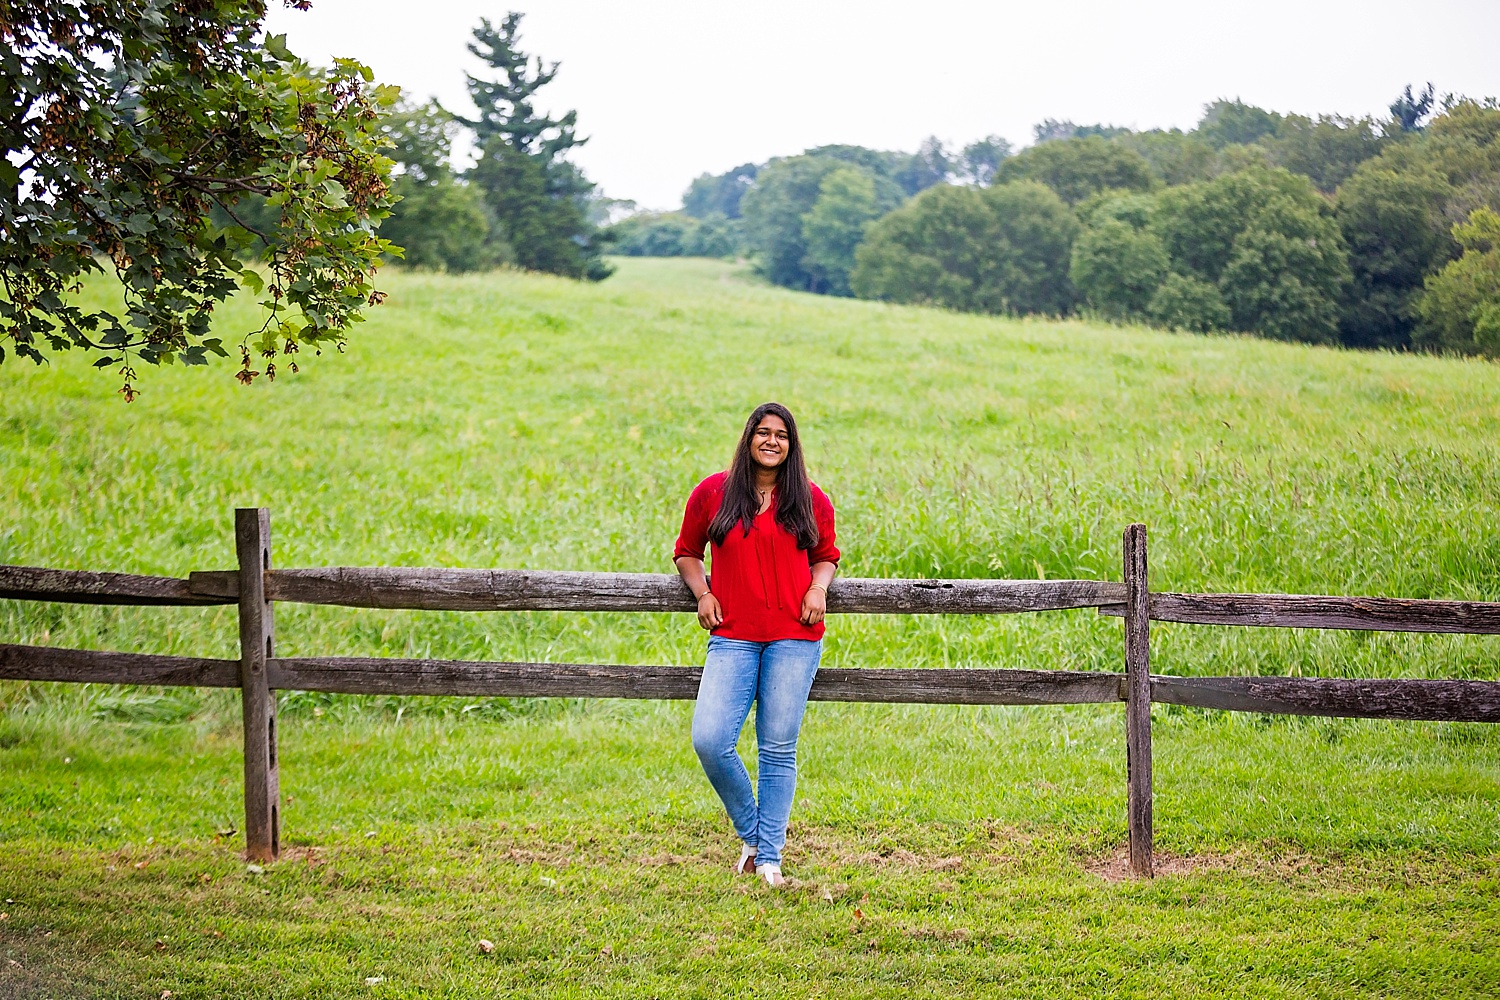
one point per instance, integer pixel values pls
(1138, 700)
(252, 537)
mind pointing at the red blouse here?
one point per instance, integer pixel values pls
(759, 578)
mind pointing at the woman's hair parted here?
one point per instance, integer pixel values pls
(794, 509)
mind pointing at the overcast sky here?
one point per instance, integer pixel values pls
(668, 89)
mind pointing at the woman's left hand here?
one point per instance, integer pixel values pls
(814, 606)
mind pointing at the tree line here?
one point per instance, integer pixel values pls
(1377, 233)
(192, 156)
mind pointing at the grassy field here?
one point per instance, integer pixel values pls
(520, 421)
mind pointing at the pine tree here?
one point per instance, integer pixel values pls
(538, 198)
(1409, 110)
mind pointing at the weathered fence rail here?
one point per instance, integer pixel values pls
(256, 587)
(541, 590)
(30, 583)
(1377, 614)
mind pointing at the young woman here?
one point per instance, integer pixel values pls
(773, 557)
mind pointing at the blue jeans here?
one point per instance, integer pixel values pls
(775, 676)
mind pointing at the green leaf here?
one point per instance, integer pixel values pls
(105, 362)
(276, 46)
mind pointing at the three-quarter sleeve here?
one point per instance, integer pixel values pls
(827, 549)
(692, 540)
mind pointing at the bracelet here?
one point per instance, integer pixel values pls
(702, 595)
(819, 586)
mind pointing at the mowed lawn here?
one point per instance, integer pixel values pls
(519, 421)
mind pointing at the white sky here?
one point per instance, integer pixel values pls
(668, 89)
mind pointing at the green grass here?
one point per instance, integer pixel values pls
(519, 421)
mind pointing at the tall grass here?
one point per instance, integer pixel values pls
(521, 421)
(518, 421)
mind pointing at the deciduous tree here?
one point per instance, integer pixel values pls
(1461, 310)
(1183, 302)
(785, 192)
(1328, 149)
(720, 194)
(126, 123)
(1117, 267)
(835, 225)
(1227, 123)
(1397, 235)
(1002, 249)
(1080, 168)
(981, 158)
(1269, 243)
(440, 220)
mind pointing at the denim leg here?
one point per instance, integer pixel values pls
(786, 673)
(730, 675)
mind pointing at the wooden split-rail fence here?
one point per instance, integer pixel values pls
(256, 587)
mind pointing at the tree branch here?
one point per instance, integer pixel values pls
(216, 184)
(266, 240)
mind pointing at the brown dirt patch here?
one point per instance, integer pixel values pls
(1116, 867)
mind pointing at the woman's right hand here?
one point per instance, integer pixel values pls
(710, 615)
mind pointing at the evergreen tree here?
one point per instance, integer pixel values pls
(538, 199)
(1409, 110)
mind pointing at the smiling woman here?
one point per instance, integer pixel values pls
(772, 536)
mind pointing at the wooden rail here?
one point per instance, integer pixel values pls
(487, 678)
(1380, 614)
(543, 590)
(256, 587)
(29, 583)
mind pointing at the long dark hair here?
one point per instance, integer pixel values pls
(794, 510)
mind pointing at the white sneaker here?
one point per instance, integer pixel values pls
(772, 875)
(746, 864)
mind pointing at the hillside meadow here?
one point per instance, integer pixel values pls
(510, 420)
